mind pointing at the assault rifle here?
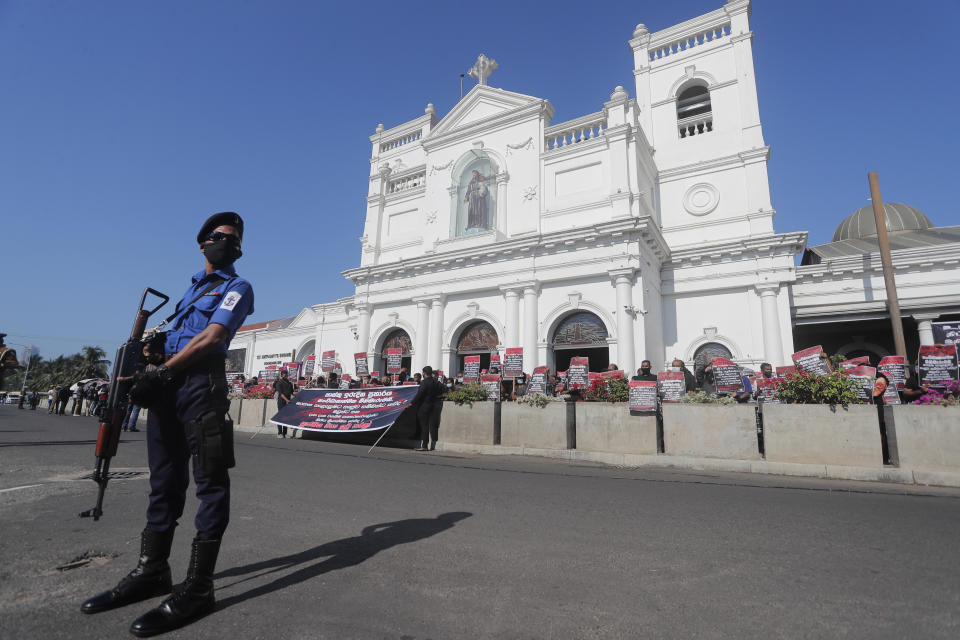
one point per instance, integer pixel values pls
(129, 356)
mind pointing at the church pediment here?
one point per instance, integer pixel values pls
(306, 318)
(486, 104)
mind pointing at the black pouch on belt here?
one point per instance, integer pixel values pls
(214, 434)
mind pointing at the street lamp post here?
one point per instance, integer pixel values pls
(28, 354)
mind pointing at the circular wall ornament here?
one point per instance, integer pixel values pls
(701, 199)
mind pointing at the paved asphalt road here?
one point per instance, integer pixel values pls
(328, 542)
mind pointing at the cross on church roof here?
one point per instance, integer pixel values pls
(482, 69)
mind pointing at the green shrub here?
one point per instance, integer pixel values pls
(702, 397)
(808, 388)
(468, 394)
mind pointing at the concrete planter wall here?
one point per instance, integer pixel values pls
(271, 410)
(523, 425)
(251, 412)
(234, 410)
(710, 431)
(467, 424)
(821, 434)
(926, 437)
(602, 426)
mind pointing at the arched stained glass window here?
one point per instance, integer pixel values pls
(397, 339)
(580, 329)
(479, 337)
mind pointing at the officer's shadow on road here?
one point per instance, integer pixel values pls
(343, 553)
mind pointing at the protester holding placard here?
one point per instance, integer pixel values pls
(864, 376)
(645, 373)
(540, 381)
(937, 364)
(689, 380)
(812, 360)
(578, 373)
(471, 369)
(672, 385)
(643, 397)
(513, 362)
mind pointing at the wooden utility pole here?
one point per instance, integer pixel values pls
(893, 303)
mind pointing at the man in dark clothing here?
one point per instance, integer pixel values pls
(645, 373)
(429, 396)
(688, 378)
(284, 390)
(63, 396)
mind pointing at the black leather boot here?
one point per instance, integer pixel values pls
(189, 601)
(150, 578)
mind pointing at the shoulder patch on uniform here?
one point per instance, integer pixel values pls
(230, 300)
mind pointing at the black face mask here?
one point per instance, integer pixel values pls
(222, 253)
(768, 374)
(645, 372)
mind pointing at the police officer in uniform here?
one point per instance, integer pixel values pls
(187, 399)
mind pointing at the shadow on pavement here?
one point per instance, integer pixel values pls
(343, 553)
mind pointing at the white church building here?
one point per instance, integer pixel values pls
(643, 230)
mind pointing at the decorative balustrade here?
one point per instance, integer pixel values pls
(696, 125)
(686, 43)
(406, 138)
(572, 132)
(407, 182)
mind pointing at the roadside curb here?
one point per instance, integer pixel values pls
(635, 461)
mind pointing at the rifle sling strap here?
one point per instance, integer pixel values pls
(216, 282)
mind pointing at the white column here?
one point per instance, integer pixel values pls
(772, 344)
(531, 295)
(420, 347)
(925, 326)
(363, 335)
(502, 179)
(435, 352)
(626, 356)
(511, 317)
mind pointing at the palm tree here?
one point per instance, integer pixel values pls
(92, 363)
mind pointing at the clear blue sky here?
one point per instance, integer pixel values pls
(124, 124)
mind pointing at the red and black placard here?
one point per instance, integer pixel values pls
(672, 385)
(937, 364)
(394, 360)
(578, 373)
(513, 362)
(643, 396)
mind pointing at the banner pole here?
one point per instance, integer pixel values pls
(381, 437)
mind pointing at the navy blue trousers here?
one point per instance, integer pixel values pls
(170, 446)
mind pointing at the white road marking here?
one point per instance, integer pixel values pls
(26, 486)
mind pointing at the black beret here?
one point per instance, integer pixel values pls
(218, 219)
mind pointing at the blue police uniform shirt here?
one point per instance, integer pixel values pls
(228, 304)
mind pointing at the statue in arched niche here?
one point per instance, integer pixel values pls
(477, 200)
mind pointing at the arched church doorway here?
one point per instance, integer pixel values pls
(303, 355)
(477, 339)
(396, 339)
(705, 353)
(580, 334)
